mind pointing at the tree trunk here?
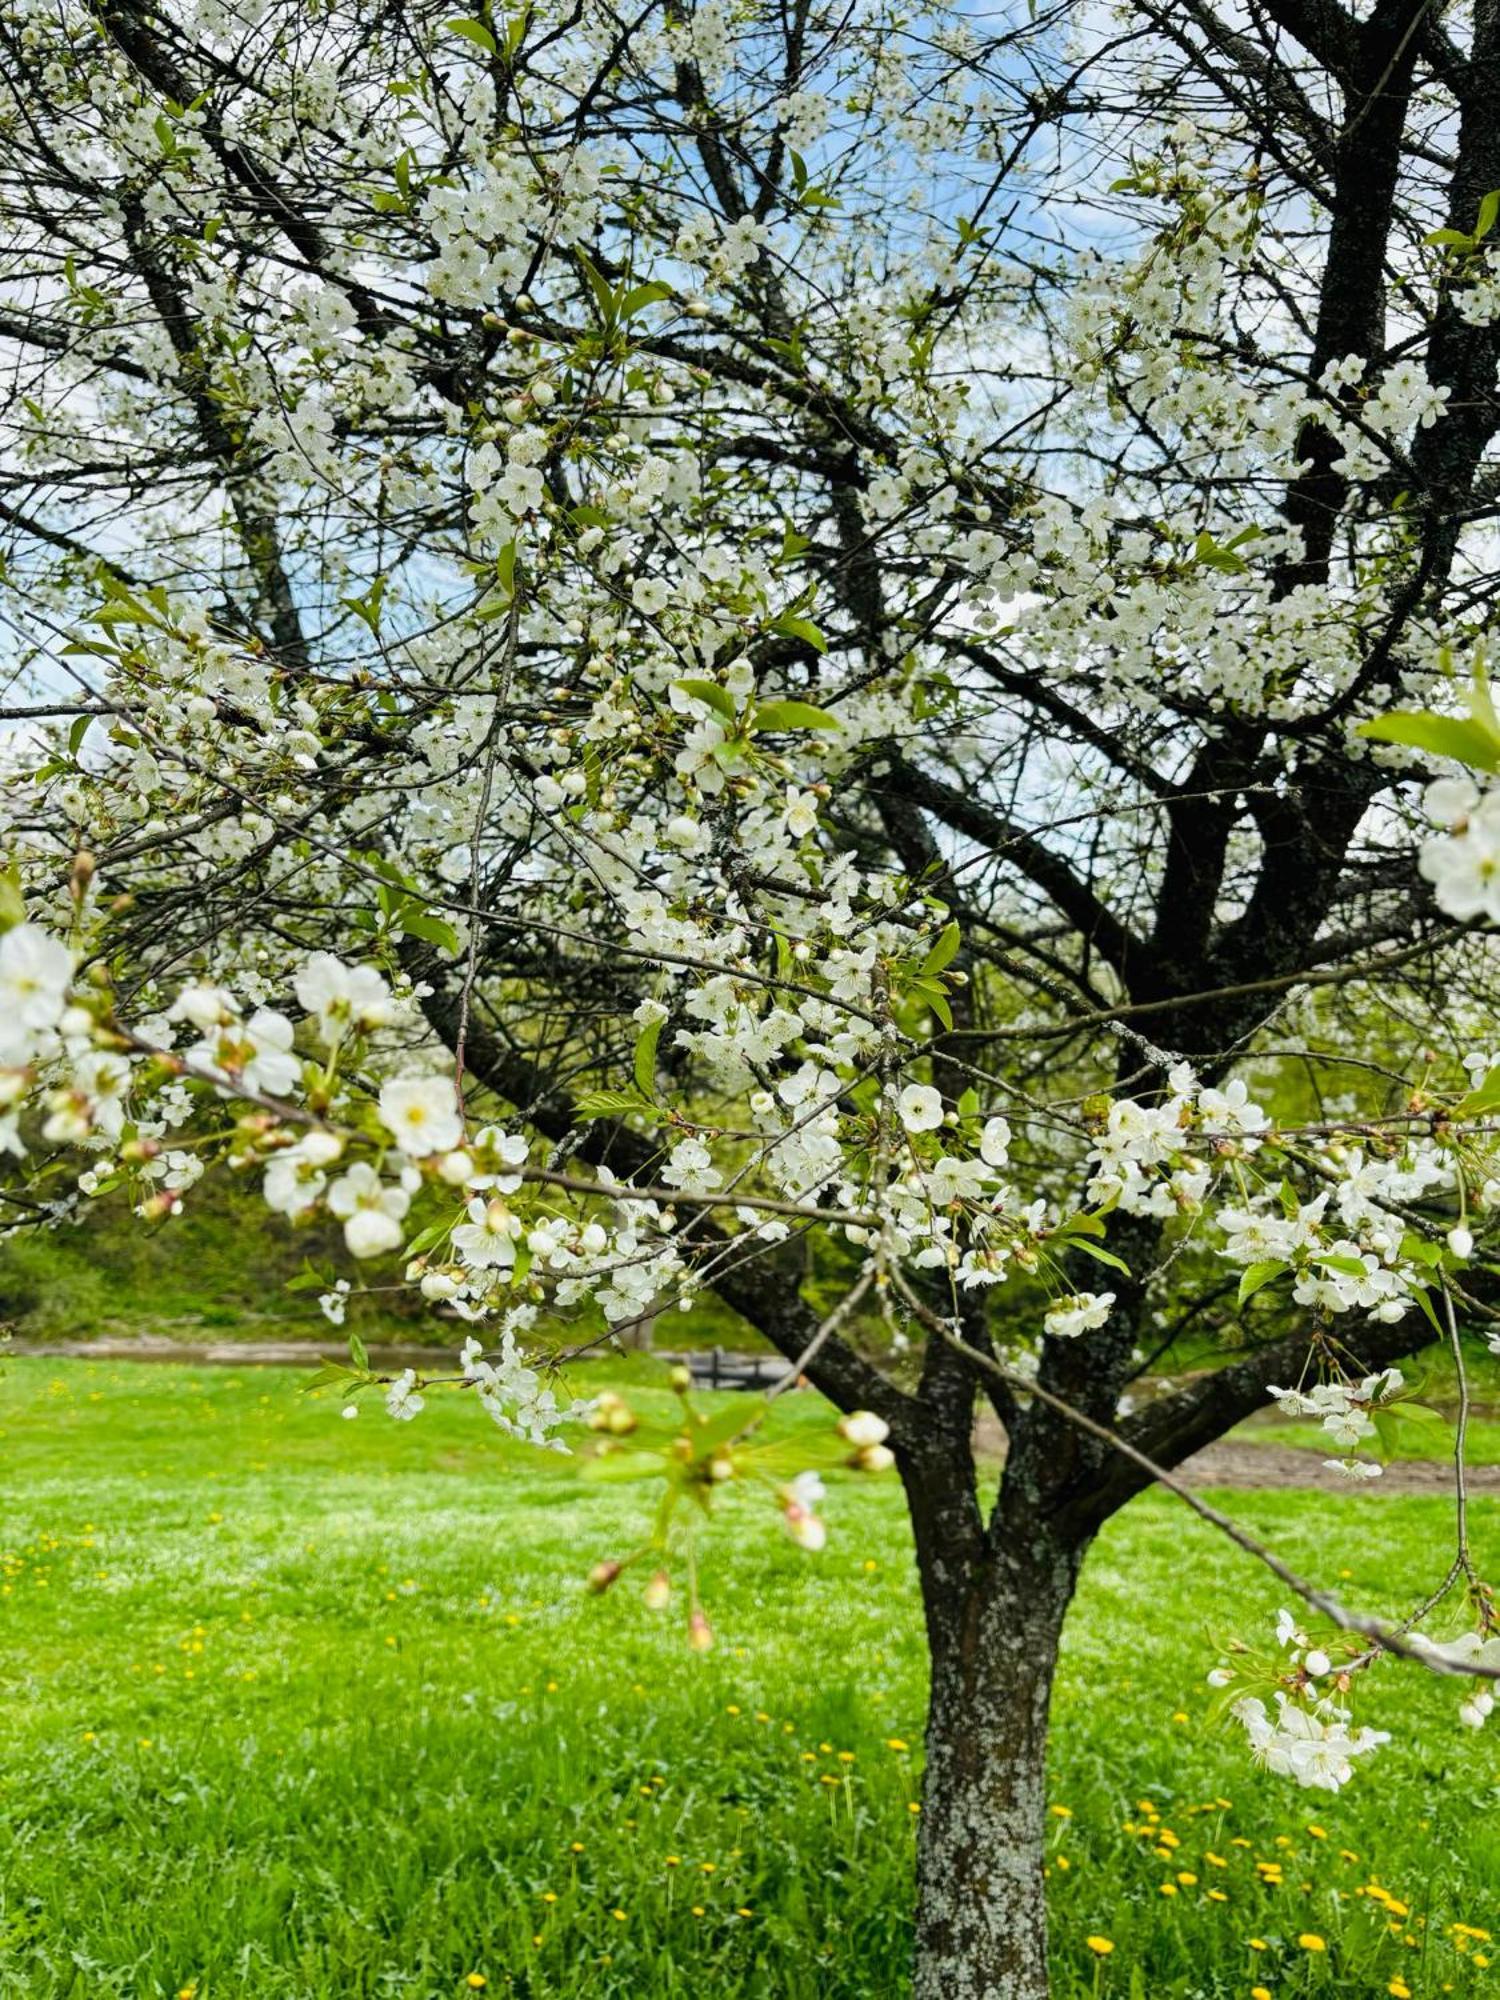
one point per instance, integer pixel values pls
(981, 1902)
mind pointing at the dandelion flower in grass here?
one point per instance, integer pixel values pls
(475, 1980)
(1258, 1944)
(1260, 1993)
(1310, 1941)
(1169, 1888)
(1101, 1947)
(1398, 1989)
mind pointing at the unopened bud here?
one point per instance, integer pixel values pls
(80, 874)
(602, 1575)
(681, 1379)
(874, 1458)
(700, 1633)
(658, 1590)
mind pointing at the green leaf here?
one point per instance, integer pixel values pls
(792, 627)
(475, 32)
(419, 923)
(936, 999)
(332, 1375)
(599, 285)
(1484, 1097)
(944, 951)
(1100, 1255)
(641, 296)
(1468, 741)
(788, 715)
(1424, 1299)
(427, 1239)
(1350, 1267)
(1489, 213)
(606, 1103)
(359, 1354)
(367, 608)
(717, 698)
(12, 898)
(610, 1465)
(1256, 1276)
(645, 1058)
(1416, 1249)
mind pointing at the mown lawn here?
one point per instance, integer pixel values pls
(298, 1707)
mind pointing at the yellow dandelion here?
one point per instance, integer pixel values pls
(900, 1743)
(1310, 1941)
(476, 1981)
(1258, 1944)
(1260, 1993)
(618, 1915)
(1101, 1947)
(1169, 1888)
(1217, 1896)
(1186, 1877)
(1398, 1989)
(1062, 1812)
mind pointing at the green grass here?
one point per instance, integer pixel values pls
(297, 1707)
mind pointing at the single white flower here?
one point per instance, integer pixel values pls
(401, 1398)
(370, 1210)
(1080, 1314)
(341, 997)
(994, 1142)
(920, 1108)
(421, 1112)
(35, 972)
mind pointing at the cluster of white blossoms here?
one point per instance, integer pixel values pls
(1311, 1742)
(1306, 1734)
(1343, 1411)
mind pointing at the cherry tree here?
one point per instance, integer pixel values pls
(790, 652)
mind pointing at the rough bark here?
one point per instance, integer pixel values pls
(981, 1898)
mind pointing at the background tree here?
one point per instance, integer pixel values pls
(768, 562)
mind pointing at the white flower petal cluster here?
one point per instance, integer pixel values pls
(1463, 864)
(1313, 1744)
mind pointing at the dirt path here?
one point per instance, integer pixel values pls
(1243, 1463)
(1253, 1467)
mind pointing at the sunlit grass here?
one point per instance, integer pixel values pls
(299, 1707)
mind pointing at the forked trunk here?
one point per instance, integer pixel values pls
(981, 1905)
